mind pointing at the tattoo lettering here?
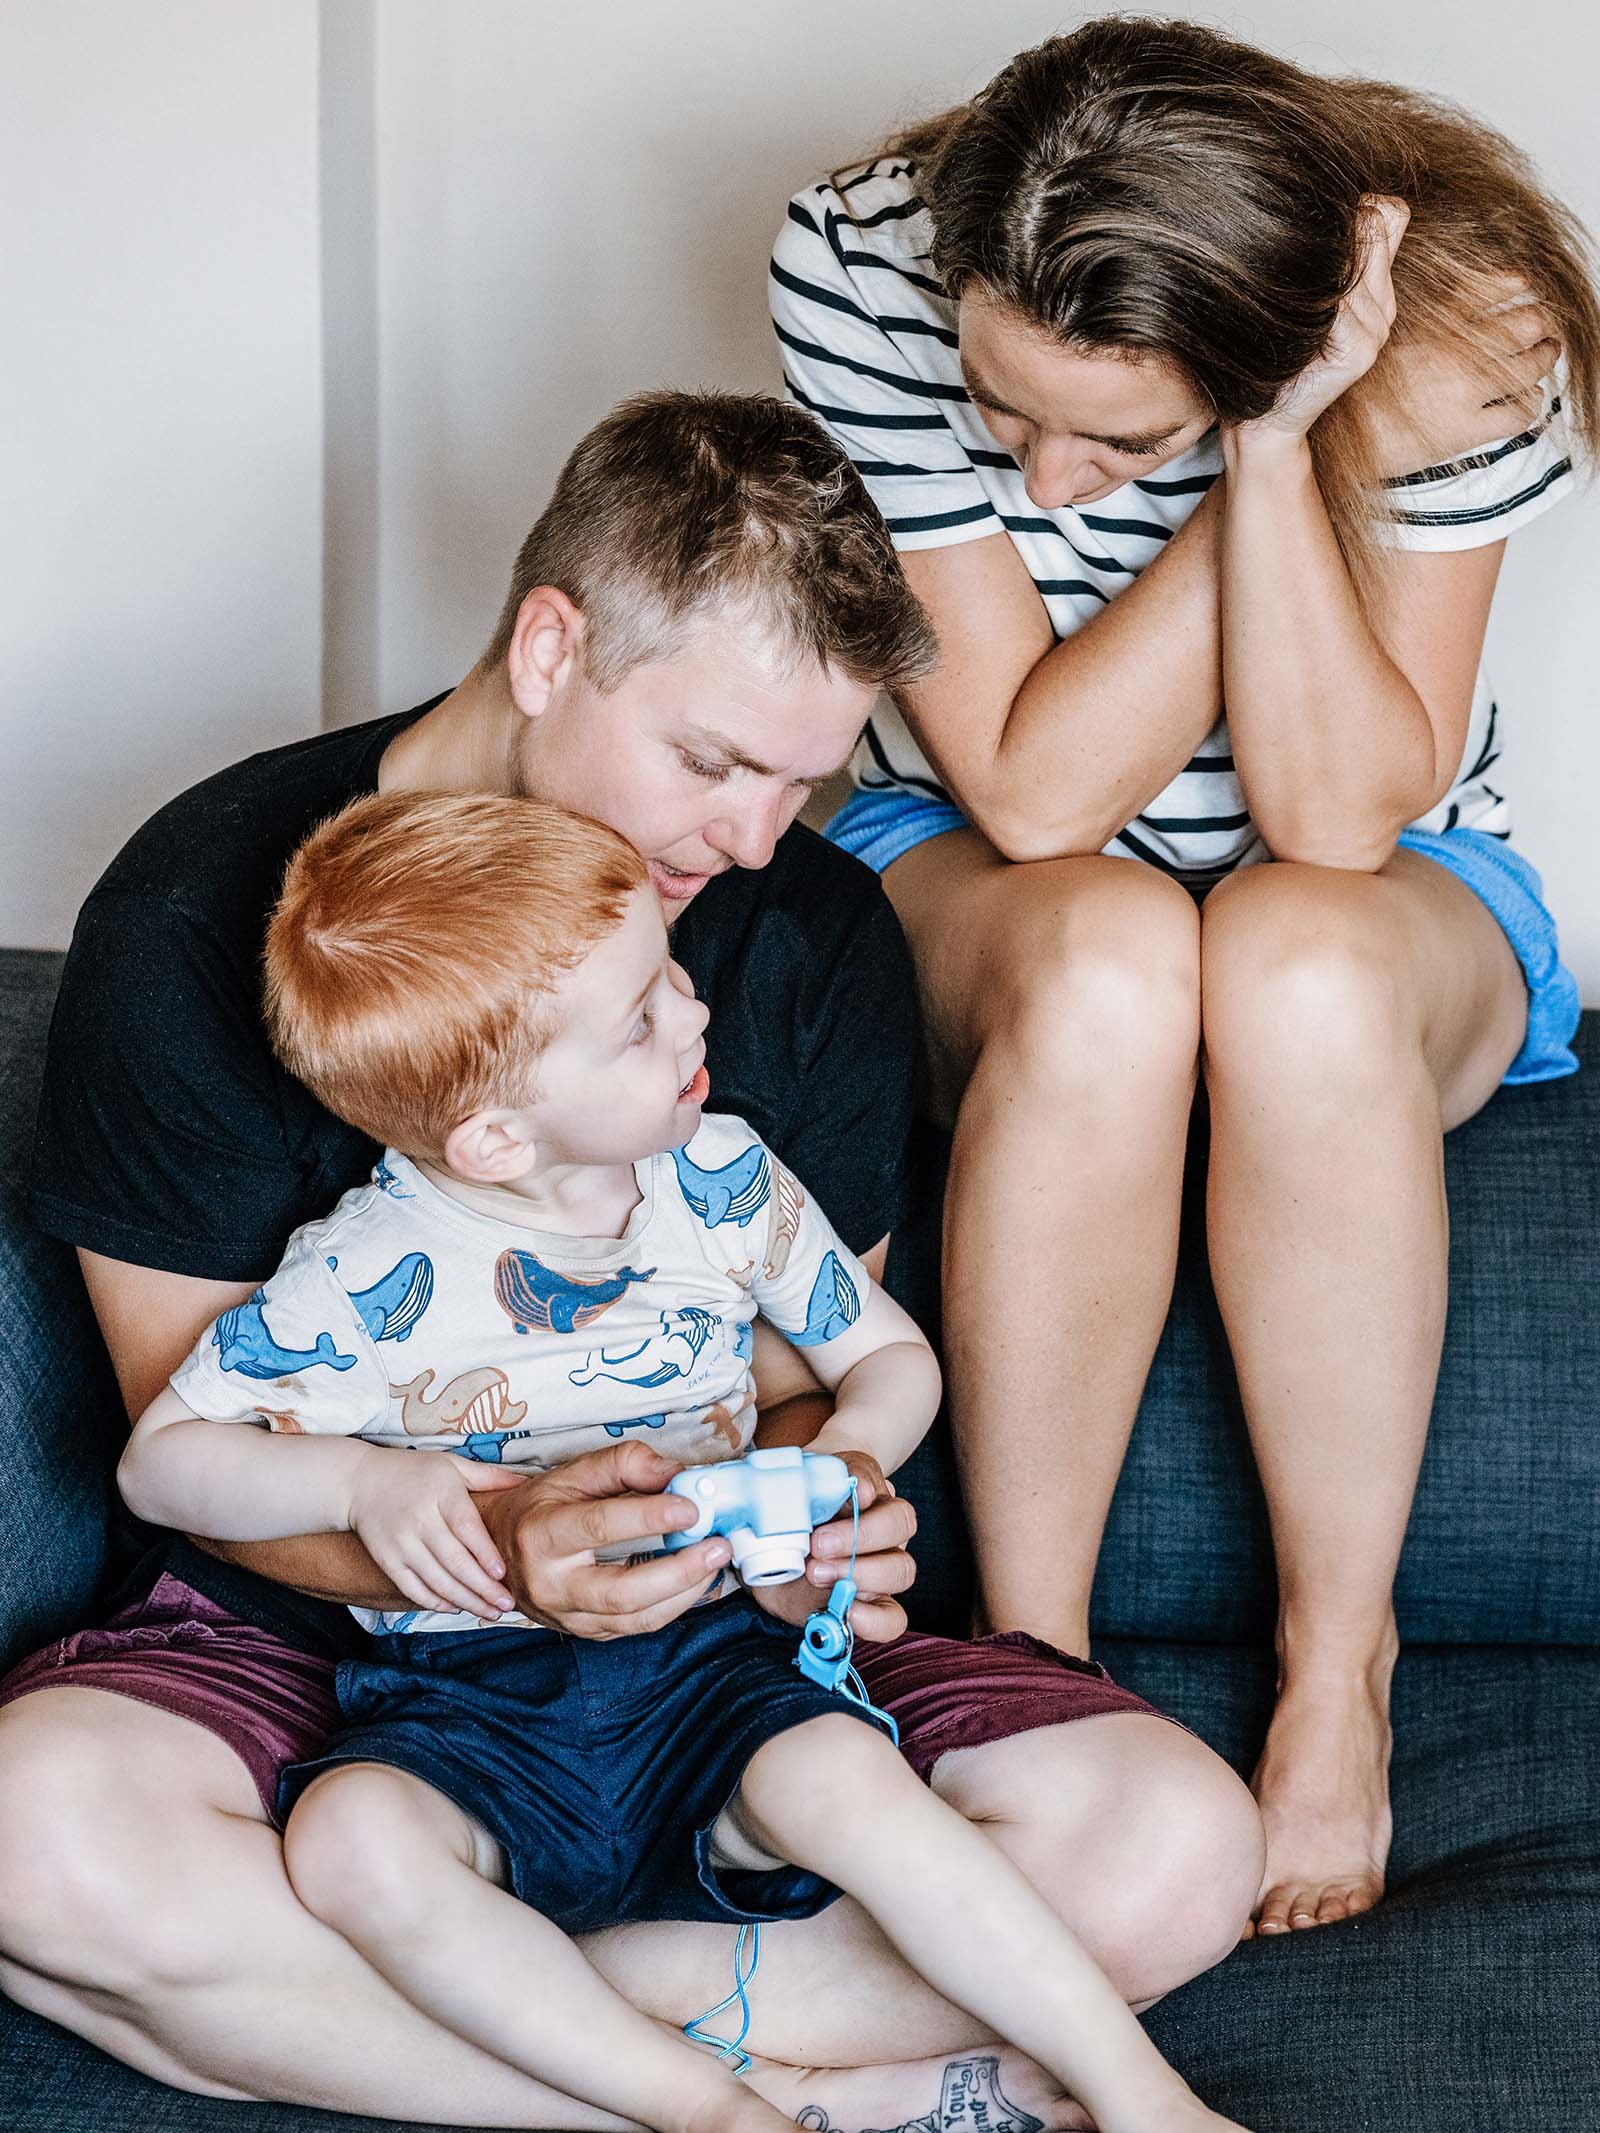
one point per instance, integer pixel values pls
(970, 2101)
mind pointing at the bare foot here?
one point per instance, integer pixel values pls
(1323, 1789)
(996, 2089)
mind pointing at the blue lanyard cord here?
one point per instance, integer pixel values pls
(830, 1668)
(728, 2047)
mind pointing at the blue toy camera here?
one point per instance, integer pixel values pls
(766, 1504)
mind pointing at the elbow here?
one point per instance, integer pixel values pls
(1021, 829)
(1343, 855)
(134, 1483)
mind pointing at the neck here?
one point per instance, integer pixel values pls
(571, 1199)
(462, 745)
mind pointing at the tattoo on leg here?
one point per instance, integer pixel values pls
(970, 2101)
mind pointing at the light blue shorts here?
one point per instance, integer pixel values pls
(882, 826)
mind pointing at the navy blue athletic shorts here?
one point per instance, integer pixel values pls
(599, 1767)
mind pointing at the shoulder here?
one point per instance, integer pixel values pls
(856, 250)
(1487, 491)
(218, 849)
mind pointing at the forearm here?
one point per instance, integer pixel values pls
(1106, 719)
(1334, 746)
(328, 1566)
(884, 1404)
(236, 1482)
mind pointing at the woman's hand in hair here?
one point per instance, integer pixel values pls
(1360, 329)
(1441, 401)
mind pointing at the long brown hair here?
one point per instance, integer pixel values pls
(1151, 185)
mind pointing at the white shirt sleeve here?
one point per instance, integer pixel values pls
(1469, 502)
(868, 346)
(295, 1356)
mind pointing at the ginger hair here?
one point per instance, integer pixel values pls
(414, 956)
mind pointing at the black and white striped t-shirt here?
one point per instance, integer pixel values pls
(868, 339)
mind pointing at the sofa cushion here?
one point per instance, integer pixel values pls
(1465, 2000)
(63, 1419)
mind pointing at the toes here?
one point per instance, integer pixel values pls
(1272, 1915)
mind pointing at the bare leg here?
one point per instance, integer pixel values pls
(838, 1799)
(417, 1886)
(1350, 1020)
(143, 1904)
(1062, 1001)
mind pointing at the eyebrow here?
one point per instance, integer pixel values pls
(704, 741)
(1148, 441)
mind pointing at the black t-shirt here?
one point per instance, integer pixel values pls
(169, 1135)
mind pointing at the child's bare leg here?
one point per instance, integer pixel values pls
(833, 1796)
(413, 1883)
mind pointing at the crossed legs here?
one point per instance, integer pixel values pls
(144, 1905)
(1346, 1022)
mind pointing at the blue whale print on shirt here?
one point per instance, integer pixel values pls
(620, 1429)
(739, 1189)
(532, 1294)
(670, 1353)
(833, 1304)
(244, 1344)
(392, 1306)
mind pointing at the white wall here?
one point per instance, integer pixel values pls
(528, 209)
(577, 202)
(160, 541)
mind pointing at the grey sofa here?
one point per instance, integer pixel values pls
(1471, 1998)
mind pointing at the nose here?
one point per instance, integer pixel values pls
(750, 837)
(1058, 471)
(695, 1013)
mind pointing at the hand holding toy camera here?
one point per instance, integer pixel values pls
(766, 1504)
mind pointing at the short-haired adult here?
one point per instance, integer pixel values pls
(1189, 381)
(695, 632)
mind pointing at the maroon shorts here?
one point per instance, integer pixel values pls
(273, 1704)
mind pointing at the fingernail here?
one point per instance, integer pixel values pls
(719, 1553)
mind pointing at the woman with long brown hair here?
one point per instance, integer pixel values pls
(1201, 394)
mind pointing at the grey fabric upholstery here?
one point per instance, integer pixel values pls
(1468, 1999)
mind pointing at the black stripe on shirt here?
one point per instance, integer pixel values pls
(1487, 512)
(814, 294)
(1191, 485)
(1202, 825)
(1045, 586)
(936, 519)
(916, 388)
(852, 417)
(1046, 525)
(1471, 465)
(1145, 528)
(875, 749)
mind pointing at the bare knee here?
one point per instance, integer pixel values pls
(1096, 978)
(800, 1788)
(357, 1847)
(1304, 987)
(92, 1859)
(1145, 1842)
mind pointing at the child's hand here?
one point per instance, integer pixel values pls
(414, 1514)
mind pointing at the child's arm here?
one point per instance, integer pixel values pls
(885, 1384)
(233, 1481)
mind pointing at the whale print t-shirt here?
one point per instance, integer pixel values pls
(412, 1320)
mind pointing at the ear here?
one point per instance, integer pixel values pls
(492, 1147)
(546, 648)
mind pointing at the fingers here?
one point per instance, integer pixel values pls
(486, 1480)
(620, 1468)
(467, 1525)
(429, 1572)
(878, 1621)
(608, 1522)
(607, 1600)
(889, 1524)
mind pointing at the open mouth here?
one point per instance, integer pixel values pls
(696, 1089)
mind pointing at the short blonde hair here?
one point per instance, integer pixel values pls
(413, 955)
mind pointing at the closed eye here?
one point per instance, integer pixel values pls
(713, 773)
